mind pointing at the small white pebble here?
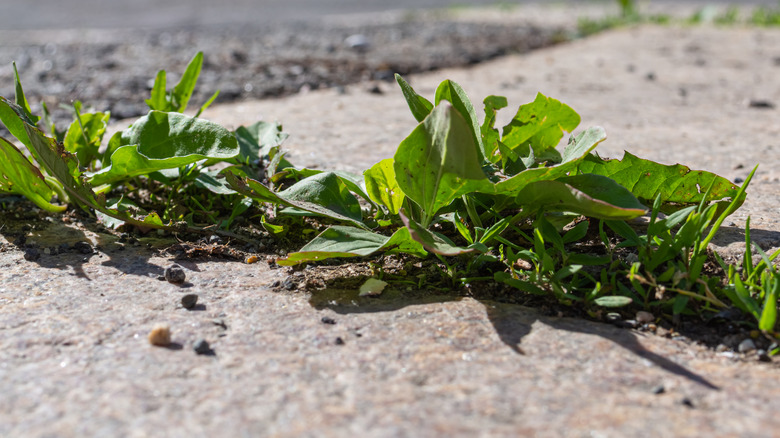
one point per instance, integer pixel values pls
(746, 346)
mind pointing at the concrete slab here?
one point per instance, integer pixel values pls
(75, 361)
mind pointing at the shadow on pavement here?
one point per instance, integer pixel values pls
(511, 322)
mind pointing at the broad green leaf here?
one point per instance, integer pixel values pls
(438, 243)
(454, 94)
(20, 99)
(490, 136)
(539, 125)
(63, 165)
(256, 190)
(182, 92)
(382, 186)
(613, 301)
(590, 195)
(575, 152)
(18, 175)
(255, 141)
(583, 143)
(647, 179)
(160, 136)
(86, 142)
(419, 105)
(162, 140)
(353, 182)
(327, 190)
(439, 161)
(341, 241)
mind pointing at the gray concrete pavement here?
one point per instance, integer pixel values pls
(59, 14)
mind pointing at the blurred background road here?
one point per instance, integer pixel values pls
(156, 14)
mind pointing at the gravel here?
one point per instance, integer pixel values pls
(114, 70)
(175, 274)
(189, 301)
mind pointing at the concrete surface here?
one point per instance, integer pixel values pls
(74, 359)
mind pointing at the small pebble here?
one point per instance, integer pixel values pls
(760, 103)
(643, 317)
(339, 341)
(763, 356)
(201, 346)
(175, 274)
(160, 335)
(251, 259)
(328, 320)
(659, 389)
(629, 323)
(687, 402)
(215, 240)
(357, 42)
(83, 247)
(746, 346)
(613, 317)
(189, 301)
(47, 251)
(31, 254)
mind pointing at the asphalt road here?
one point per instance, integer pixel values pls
(160, 14)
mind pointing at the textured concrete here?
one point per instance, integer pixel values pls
(75, 361)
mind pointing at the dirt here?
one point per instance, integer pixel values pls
(299, 353)
(112, 70)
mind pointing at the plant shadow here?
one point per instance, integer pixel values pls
(61, 246)
(512, 322)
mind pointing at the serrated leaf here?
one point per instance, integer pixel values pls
(382, 186)
(647, 179)
(574, 153)
(539, 125)
(439, 162)
(491, 138)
